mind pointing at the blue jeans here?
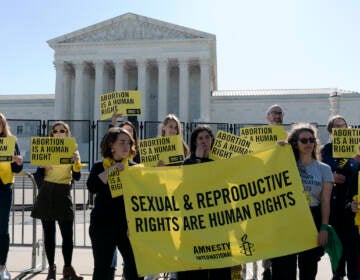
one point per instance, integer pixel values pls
(5, 205)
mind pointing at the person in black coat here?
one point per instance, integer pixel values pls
(201, 141)
(345, 171)
(108, 224)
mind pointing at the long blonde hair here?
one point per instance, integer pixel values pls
(172, 117)
(6, 128)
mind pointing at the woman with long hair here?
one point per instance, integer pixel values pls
(7, 170)
(54, 204)
(108, 224)
(201, 140)
(317, 181)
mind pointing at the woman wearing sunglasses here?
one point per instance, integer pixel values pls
(54, 203)
(317, 181)
(345, 171)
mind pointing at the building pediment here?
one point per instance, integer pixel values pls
(129, 27)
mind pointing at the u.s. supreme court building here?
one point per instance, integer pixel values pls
(175, 69)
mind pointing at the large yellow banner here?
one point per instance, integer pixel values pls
(7, 148)
(217, 214)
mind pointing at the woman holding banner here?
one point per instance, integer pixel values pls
(108, 224)
(317, 180)
(201, 141)
(170, 126)
(130, 127)
(7, 170)
(54, 203)
(345, 171)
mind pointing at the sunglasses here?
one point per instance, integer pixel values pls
(307, 140)
(55, 131)
(276, 113)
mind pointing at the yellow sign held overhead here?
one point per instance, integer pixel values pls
(217, 214)
(346, 142)
(127, 103)
(52, 151)
(7, 148)
(168, 149)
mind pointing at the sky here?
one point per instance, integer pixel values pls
(261, 44)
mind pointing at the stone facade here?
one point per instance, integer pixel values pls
(300, 105)
(175, 68)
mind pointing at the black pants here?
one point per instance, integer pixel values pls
(284, 268)
(206, 274)
(104, 239)
(349, 236)
(66, 229)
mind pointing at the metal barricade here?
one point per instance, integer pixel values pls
(27, 191)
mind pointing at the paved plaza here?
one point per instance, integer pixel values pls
(20, 260)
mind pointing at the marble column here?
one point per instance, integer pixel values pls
(79, 91)
(163, 88)
(99, 87)
(184, 90)
(119, 75)
(141, 65)
(59, 90)
(204, 90)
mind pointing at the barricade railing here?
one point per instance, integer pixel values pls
(23, 191)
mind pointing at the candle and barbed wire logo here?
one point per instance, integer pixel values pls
(246, 248)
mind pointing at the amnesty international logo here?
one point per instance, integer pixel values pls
(246, 248)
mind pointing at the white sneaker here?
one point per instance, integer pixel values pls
(5, 274)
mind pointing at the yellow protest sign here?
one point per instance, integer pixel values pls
(217, 214)
(128, 103)
(7, 148)
(345, 142)
(169, 149)
(51, 150)
(262, 137)
(227, 145)
(114, 181)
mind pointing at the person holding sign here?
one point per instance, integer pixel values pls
(7, 170)
(317, 180)
(108, 224)
(130, 127)
(201, 141)
(171, 126)
(54, 203)
(345, 171)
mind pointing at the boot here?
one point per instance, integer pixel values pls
(70, 274)
(5, 274)
(51, 273)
